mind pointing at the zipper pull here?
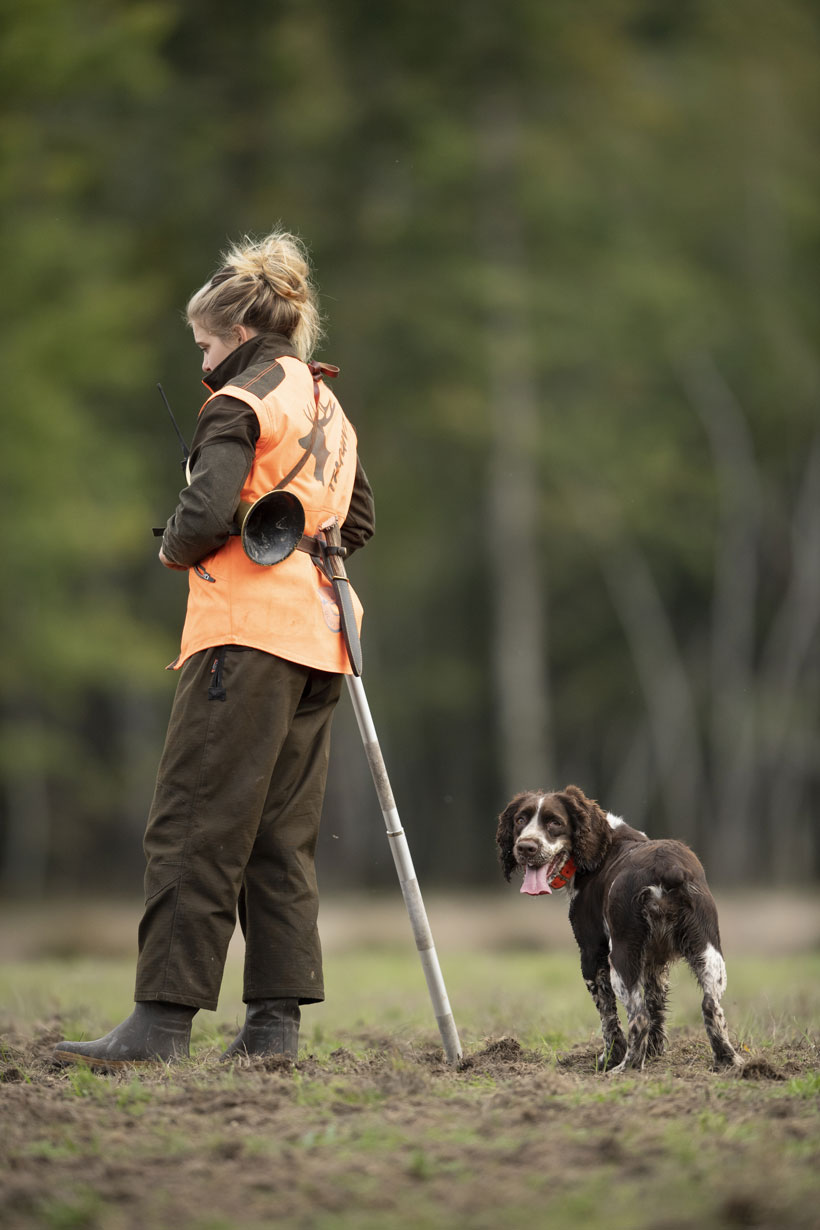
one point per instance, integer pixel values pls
(217, 689)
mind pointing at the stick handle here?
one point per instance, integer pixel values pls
(407, 876)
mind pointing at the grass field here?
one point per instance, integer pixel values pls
(370, 1128)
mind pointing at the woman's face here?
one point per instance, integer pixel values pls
(215, 349)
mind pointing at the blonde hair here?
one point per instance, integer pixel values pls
(265, 285)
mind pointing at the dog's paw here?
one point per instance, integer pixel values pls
(656, 1044)
(727, 1060)
(629, 1063)
(615, 1049)
(613, 1055)
(616, 1071)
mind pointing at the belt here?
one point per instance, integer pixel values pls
(316, 546)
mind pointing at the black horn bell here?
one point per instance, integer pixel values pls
(271, 527)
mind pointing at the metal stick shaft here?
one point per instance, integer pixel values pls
(407, 876)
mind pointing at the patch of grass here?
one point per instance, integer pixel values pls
(76, 1211)
(553, 1041)
(54, 1151)
(172, 1143)
(134, 1097)
(805, 1086)
(318, 1137)
(84, 1082)
(606, 1090)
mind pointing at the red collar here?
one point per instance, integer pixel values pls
(562, 878)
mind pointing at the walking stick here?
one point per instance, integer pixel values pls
(407, 876)
(271, 530)
(328, 555)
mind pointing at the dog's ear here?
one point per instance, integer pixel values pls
(578, 796)
(505, 837)
(591, 834)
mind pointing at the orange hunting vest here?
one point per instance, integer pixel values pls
(286, 609)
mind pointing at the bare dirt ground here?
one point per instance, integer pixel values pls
(380, 1132)
(394, 1137)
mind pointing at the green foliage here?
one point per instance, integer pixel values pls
(624, 204)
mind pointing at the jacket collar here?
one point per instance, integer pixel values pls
(264, 347)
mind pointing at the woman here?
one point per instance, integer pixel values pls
(236, 809)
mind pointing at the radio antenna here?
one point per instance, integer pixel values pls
(186, 452)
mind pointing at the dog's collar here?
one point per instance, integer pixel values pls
(563, 877)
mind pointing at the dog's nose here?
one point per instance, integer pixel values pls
(526, 848)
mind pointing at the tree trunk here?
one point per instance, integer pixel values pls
(512, 540)
(673, 726)
(788, 658)
(25, 854)
(733, 729)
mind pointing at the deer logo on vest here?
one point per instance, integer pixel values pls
(314, 442)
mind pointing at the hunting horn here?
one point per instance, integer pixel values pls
(271, 527)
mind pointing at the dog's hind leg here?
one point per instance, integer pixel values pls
(656, 994)
(626, 981)
(600, 988)
(710, 970)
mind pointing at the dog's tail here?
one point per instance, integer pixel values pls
(673, 878)
(665, 895)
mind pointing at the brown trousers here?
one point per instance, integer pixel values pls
(234, 824)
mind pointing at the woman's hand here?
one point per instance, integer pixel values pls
(169, 563)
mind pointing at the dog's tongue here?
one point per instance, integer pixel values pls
(535, 881)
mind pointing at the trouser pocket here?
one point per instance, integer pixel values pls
(217, 689)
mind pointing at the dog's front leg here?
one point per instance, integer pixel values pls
(600, 988)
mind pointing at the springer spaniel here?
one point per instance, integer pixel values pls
(635, 906)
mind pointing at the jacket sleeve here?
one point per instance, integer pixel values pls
(360, 522)
(222, 454)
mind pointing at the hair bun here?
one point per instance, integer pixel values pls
(265, 284)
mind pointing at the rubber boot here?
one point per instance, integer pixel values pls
(271, 1028)
(154, 1032)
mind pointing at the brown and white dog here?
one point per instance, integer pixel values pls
(635, 906)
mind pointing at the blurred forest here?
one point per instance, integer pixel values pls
(568, 257)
